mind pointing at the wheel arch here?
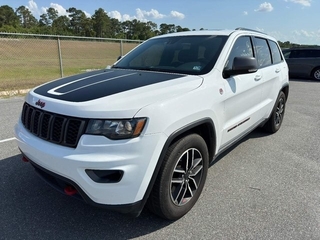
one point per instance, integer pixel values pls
(313, 70)
(285, 90)
(204, 127)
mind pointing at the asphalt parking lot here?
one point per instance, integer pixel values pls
(265, 187)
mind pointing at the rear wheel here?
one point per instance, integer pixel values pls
(276, 118)
(181, 178)
(316, 74)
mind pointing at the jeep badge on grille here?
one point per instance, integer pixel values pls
(40, 103)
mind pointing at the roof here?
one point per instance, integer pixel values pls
(218, 32)
(303, 48)
(199, 33)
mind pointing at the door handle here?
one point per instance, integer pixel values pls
(278, 70)
(257, 77)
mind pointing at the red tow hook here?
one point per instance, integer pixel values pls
(70, 190)
(25, 159)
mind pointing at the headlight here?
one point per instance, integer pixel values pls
(116, 129)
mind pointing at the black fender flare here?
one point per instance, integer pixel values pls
(176, 135)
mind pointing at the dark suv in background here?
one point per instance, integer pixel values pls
(303, 62)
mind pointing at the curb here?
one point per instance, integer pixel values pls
(12, 93)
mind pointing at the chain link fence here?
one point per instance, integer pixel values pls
(27, 60)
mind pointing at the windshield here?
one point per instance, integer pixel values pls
(178, 54)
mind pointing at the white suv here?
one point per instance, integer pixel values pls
(145, 130)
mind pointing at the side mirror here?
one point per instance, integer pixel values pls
(242, 65)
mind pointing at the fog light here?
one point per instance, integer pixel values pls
(105, 176)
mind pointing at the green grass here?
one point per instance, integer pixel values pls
(26, 63)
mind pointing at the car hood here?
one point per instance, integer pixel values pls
(110, 93)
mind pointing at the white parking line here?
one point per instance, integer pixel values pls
(7, 140)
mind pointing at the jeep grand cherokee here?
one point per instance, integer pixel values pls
(144, 131)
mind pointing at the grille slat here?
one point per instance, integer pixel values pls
(55, 128)
(45, 125)
(29, 117)
(36, 122)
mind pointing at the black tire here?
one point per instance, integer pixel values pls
(316, 74)
(181, 178)
(276, 117)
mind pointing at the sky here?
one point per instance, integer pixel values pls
(297, 21)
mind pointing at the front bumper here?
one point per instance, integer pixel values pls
(135, 158)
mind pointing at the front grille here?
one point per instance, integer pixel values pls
(55, 128)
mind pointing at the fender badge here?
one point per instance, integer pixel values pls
(40, 103)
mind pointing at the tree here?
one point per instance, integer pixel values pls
(47, 18)
(61, 26)
(27, 20)
(167, 28)
(144, 30)
(115, 28)
(180, 29)
(152, 29)
(87, 28)
(77, 21)
(52, 14)
(8, 17)
(101, 23)
(137, 29)
(44, 21)
(127, 28)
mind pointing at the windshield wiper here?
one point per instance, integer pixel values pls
(149, 69)
(118, 67)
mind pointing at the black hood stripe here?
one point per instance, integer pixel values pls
(77, 84)
(98, 84)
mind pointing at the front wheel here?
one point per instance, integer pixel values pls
(181, 178)
(276, 117)
(316, 74)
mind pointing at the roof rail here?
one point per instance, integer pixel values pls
(248, 29)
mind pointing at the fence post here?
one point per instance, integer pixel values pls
(121, 48)
(60, 58)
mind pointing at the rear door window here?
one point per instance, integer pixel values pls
(262, 52)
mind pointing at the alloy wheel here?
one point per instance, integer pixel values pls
(316, 74)
(186, 176)
(279, 112)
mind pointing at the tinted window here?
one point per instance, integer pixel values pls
(315, 53)
(298, 54)
(179, 54)
(286, 53)
(275, 52)
(241, 48)
(263, 52)
(302, 53)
